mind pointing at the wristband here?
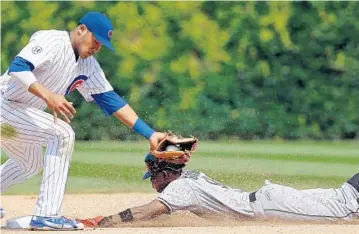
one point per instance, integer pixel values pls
(142, 128)
(26, 78)
(126, 215)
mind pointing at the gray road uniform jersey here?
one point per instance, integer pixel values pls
(199, 194)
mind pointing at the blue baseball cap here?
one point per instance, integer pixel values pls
(149, 158)
(100, 26)
(146, 175)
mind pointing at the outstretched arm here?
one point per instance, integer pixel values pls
(140, 213)
(112, 104)
(97, 88)
(129, 117)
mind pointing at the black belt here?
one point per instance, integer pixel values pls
(252, 197)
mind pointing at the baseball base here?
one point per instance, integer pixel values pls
(19, 222)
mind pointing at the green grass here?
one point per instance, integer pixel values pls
(118, 166)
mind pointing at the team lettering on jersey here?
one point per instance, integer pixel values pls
(76, 83)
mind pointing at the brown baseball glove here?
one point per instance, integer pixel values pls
(175, 149)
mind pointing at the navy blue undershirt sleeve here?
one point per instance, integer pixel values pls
(20, 64)
(109, 102)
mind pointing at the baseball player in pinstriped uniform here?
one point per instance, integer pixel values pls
(194, 191)
(50, 66)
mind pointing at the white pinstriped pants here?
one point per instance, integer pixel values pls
(24, 131)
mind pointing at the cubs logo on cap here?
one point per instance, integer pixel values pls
(100, 26)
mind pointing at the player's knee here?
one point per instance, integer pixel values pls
(69, 135)
(32, 168)
(65, 134)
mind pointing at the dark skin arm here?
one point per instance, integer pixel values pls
(139, 213)
(149, 211)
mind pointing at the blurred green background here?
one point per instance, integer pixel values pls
(108, 167)
(247, 70)
(227, 72)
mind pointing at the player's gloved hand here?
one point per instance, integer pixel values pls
(155, 139)
(59, 105)
(175, 149)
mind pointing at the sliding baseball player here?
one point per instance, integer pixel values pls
(194, 191)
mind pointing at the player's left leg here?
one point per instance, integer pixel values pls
(347, 192)
(288, 203)
(330, 193)
(17, 169)
(344, 194)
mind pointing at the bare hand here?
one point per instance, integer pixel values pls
(156, 138)
(59, 105)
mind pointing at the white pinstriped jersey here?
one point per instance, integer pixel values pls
(196, 192)
(56, 68)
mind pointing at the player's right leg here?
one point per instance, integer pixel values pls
(34, 127)
(278, 201)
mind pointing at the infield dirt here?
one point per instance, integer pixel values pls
(91, 205)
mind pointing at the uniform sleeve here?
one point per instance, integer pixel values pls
(41, 50)
(178, 195)
(96, 83)
(96, 87)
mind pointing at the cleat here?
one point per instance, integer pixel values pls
(54, 223)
